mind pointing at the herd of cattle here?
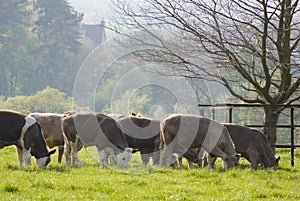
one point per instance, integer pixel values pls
(200, 140)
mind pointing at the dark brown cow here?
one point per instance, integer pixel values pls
(253, 145)
(142, 133)
(51, 128)
(25, 133)
(181, 132)
(250, 143)
(92, 129)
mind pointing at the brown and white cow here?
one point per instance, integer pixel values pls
(181, 132)
(51, 129)
(91, 129)
(25, 133)
(142, 134)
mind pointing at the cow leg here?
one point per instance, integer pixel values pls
(180, 162)
(166, 156)
(74, 156)
(145, 155)
(211, 161)
(155, 157)
(203, 160)
(190, 164)
(60, 153)
(27, 157)
(67, 152)
(102, 158)
(20, 157)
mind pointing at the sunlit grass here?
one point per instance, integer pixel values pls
(140, 182)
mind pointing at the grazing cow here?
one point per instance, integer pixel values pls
(51, 128)
(250, 143)
(181, 132)
(98, 130)
(142, 133)
(25, 133)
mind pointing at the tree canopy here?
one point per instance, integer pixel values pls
(40, 46)
(251, 44)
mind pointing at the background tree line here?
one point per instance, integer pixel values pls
(40, 46)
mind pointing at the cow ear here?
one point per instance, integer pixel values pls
(52, 152)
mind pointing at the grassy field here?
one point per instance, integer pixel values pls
(146, 182)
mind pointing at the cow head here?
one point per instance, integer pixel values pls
(124, 157)
(275, 163)
(231, 161)
(44, 161)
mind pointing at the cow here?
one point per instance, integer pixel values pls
(181, 132)
(251, 143)
(25, 133)
(94, 129)
(142, 134)
(51, 129)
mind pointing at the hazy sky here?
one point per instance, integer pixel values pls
(94, 10)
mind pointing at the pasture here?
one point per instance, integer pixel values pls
(140, 182)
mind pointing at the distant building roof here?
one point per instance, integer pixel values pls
(94, 32)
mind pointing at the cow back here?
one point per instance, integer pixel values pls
(140, 132)
(51, 127)
(11, 124)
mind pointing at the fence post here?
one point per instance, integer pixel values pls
(230, 114)
(292, 136)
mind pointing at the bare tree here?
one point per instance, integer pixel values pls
(252, 44)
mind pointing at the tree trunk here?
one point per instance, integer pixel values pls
(271, 118)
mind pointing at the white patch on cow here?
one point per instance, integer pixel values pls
(125, 157)
(27, 157)
(29, 121)
(37, 114)
(42, 162)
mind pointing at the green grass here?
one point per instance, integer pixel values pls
(140, 182)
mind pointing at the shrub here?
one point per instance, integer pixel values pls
(47, 100)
